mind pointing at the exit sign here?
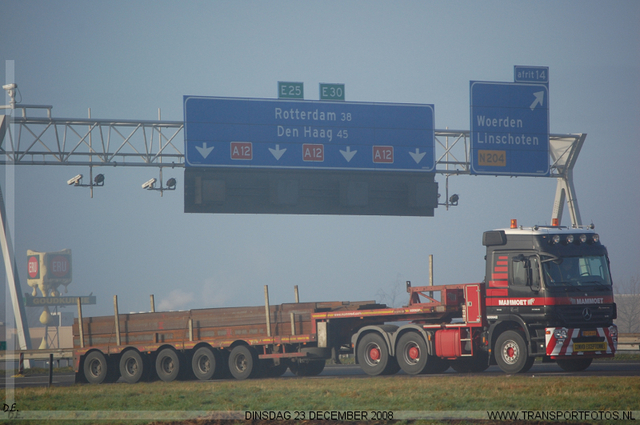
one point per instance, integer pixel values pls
(288, 90)
(331, 91)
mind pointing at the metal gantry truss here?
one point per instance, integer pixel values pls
(93, 143)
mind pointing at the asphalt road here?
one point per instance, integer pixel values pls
(609, 368)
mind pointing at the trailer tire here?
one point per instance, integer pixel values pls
(96, 368)
(243, 362)
(204, 364)
(511, 352)
(132, 366)
(411, 353)
(373, 354)
(575, 365)
(167, 365)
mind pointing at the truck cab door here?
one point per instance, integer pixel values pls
(524, 284)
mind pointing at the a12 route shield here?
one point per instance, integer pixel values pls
(509, 129)
(265, 133)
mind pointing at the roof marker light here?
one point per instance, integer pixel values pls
(554, 239)
(514, 223)
(569, 239)
(583, 238)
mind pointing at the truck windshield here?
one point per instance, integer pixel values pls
(576, 271)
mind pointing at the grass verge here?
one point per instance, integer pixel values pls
(397, 393)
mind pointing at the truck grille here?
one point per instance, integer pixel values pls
(585, 314)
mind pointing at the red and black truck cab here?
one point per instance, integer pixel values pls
(553, 284)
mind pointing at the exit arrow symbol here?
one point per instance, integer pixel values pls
(277, 152)
(539, 98)
(348, 154)
(204, 150)
(417, 156)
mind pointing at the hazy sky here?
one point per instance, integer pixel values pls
(127, 59)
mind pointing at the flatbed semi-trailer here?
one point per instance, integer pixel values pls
(547, 293)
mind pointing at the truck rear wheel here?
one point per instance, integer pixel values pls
(132, 366)
(243, 362)
(511, 353)
(575, 365)
(411, 353)
(373, 354)
(167, 365)
(204, 363)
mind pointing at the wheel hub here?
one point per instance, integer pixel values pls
(414, 353)
(374, 354)
(131, 367)
(203, 364)
(167, 365)
(95, 368)
(241, 363)
(510, 352)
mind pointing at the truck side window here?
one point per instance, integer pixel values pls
(525, 273)
(535, 273)
(518, 273)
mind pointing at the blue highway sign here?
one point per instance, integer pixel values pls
(274, 133)
(509, 129)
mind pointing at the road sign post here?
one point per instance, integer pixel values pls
(509, 129)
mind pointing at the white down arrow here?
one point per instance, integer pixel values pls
(204, 150)
(417, 156)
(348, 154)
(277, 152)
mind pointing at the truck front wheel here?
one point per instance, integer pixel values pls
(511, 353)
